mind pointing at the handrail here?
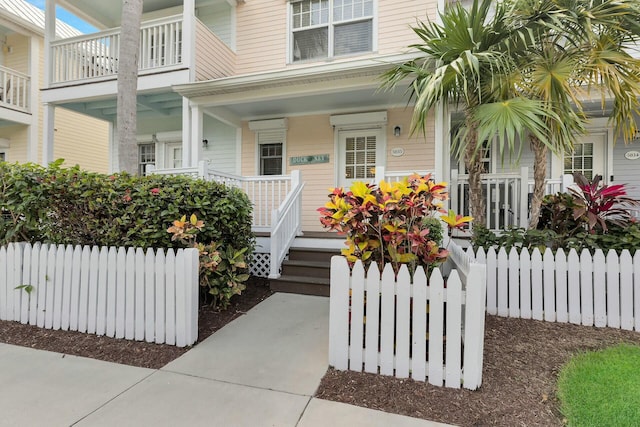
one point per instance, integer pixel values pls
(14, 72)
(286, 226)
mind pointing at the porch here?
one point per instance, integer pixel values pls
(164, 47)
(15, 90)
(299, 262)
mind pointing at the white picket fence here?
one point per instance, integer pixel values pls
(593, 290)
(398, 326)
(117, 292)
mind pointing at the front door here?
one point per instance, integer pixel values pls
(360, 151)
(588, 157)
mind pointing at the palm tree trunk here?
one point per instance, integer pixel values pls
(539, 176)
(473, 164)
(128, 85)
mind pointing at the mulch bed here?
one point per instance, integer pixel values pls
(134, 353)
(521, 363)
(522, 359)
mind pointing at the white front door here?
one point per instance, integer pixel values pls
(589, 156)
(173, 155)
(359, 152)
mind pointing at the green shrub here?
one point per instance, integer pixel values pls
(223, 271)
(71, 206)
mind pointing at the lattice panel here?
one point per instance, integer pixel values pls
(260, 265)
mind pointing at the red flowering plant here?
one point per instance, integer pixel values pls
(389, 223)
(597, 204)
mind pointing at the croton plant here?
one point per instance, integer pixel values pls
(390, 222)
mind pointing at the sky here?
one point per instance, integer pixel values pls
(67, 17)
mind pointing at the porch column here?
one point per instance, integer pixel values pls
(49, 36)
(189, 36)
(442, 143)
(113, 148)
(186, 134)
(34, 102)
(196, 135)
(48, 133)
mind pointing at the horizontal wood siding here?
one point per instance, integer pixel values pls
(419, 149)
(221, 149)
(395, 20)
(81, 140)
(626, 171)
(262, 35)
(214, 59)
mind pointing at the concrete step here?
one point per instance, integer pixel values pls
(304, 285)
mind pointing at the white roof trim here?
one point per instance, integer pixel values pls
(32, 18)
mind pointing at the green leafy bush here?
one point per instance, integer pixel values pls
(223, 271)
(71, 206)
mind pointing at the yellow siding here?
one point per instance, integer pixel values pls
(313, 134)
(419, 151)
(263, 32)
(214, 59)
(78, 139)
(81, 140)
(262, 35)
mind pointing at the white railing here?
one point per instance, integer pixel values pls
(15, 88)
(404, 331)
(396, 176)
(506, 195)
(276, 200)
(117, 292)
(286, 225)
(598, 289)
(97, 55)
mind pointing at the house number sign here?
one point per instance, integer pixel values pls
(309, 160)
(632, 155)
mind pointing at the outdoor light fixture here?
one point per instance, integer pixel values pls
(396, 131)
(205, 142)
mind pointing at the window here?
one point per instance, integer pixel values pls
(146, 156)
(485, 158)
(581, 160)
(3, 156)
(360, 157)
(271, 159)
(327, 28)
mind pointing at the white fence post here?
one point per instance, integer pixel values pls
(567, 181)
(379, 175)
(474, 327)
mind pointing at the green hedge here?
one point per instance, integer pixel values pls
(71, 206)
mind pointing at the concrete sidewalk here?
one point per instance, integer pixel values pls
(260, 370)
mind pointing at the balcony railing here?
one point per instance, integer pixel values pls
(15, 89)
(96, 55)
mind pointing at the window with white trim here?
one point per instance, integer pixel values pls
(146, 156)
(328, 28)
(271, 152)
(580, 160)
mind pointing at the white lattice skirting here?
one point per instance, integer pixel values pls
(260, 265)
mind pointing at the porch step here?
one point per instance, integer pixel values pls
(306, 272)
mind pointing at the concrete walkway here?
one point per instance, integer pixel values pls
(260, 370)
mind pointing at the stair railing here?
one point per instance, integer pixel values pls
(286, 224)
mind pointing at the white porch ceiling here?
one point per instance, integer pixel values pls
(107, 13)
(161, 104)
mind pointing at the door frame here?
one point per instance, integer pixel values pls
(381, 147)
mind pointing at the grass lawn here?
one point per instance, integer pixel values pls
(602, 388)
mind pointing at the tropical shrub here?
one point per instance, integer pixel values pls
(591, 216)
(390, 223)
(222, 271)
(71, 206)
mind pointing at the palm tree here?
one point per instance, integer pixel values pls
(465, 61)
(576, 48)
(127, 85)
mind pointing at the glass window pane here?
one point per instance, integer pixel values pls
(360, 172)
(353, 38)
(360, 143)
(587, 148)
(349, 172)
(360, 157)
(577, 151)
(350, 158)
(350, 144)
(309, 44)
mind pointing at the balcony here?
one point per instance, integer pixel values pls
(95, 56)
(14, 90)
